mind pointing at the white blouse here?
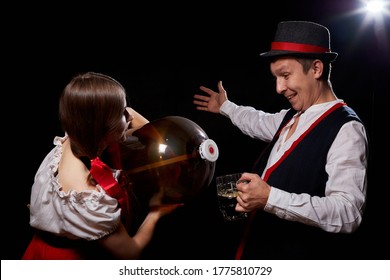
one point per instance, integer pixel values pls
(90, 214)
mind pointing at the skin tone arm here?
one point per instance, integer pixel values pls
(212, 102)
(123, 246)
(254, 194)
(137, 120)
(119, 243)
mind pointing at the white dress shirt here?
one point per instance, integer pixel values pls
(341, 209)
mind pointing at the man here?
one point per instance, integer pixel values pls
(307, 192)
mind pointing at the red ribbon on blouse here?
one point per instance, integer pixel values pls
(103, 175)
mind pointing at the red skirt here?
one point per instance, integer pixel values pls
(40, 249)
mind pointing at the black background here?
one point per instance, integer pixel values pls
(162, 53)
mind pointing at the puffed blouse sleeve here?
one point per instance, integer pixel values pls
(90, 214)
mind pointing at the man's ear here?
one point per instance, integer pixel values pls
(317, 68)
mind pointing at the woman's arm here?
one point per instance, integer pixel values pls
(123, 246)
(137, 120)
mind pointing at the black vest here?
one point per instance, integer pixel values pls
(302, 171)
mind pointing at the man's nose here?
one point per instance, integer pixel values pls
(280, 86)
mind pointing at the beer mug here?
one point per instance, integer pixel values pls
(227, 196)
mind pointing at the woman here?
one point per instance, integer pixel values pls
(80, 202)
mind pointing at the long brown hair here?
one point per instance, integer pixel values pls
(90, 111)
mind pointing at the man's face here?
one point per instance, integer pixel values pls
(297, 86)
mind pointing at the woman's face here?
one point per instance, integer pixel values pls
(126, 122)
(120, 131)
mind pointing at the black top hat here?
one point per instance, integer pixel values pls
(301, 39)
